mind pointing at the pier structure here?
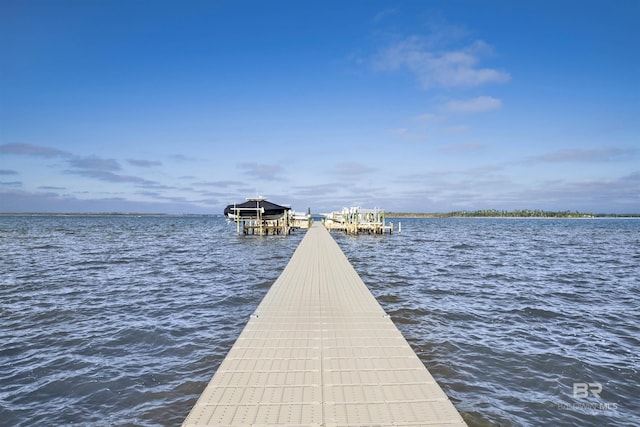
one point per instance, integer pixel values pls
(263, 227)
(319, 350)
(260, 217)
(300, 220)
(356, 220)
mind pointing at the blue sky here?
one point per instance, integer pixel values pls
(422, 106)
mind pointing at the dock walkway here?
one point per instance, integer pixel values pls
(320, 350)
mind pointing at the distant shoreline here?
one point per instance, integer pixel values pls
(444, 216)
(90, 214)
(390, 215)
(511, 214)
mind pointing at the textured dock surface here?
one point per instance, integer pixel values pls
(320, 350)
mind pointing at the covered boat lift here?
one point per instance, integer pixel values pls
(259, 216)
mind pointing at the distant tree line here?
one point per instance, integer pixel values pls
(518, 213)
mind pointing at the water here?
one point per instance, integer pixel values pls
(123, 320)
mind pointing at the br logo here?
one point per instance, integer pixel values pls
(582, 390)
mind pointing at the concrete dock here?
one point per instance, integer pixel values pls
(320, 350)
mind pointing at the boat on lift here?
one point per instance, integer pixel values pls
(256, 208)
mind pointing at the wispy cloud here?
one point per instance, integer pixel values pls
(487, 187)
(455, 129)
(95, 167)
(223, 184)
(95, 163)
(464, 147)
(351, 169)
(269, 172)
(384, 15)
(14, 200)
(428, 118)
(315, 190)
(8, 172)
(108, 176)
(51, 188)
(105, 170)
(480, 104)
(408, 135)
(33, 150)
(608, 154)
(597, 195)
(182, 158)
(435, 67)
(144, 163)
(80, 162)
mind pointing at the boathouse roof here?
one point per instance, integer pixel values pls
(269, 207)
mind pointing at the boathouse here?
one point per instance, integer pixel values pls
(259, 216)
(356, 220)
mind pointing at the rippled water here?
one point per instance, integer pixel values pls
(123, 320)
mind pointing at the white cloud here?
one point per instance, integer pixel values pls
(480, 104)
(143, 163)
(263, 171)
(428, 118)
(607, 154)
(440, 68)
(384, 15)
(455, 129)
(406, 134)
(33, 150)
(95, 163)
(464, 147)
(352, 169)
